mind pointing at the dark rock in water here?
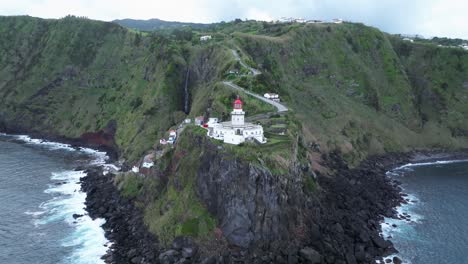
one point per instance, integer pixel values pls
(388, 261)
(380, 242)
(397, 260)
(76, 216)
(310, 255)
(394, 225)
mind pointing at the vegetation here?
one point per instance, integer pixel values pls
(177, 209)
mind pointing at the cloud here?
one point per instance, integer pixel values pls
(426, 17)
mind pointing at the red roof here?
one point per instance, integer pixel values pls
(237, 104)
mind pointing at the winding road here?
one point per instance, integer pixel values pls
(281, 108)
(252, 70)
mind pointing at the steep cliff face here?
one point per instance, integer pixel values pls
(252, 205)
(278, 215)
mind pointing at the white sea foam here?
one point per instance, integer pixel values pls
(100, 158)
(48, 144)
(35, 214)
(88, 238)
(409, 165)
(393, 226)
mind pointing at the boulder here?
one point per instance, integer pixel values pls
(169, 257)
(397, 260)
(136, 260)
(209, 260)
(181, 242)
(310, 255)
(188, 252)
(76, 216)
(380, 242)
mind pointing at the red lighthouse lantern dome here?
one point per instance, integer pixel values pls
(238, 104)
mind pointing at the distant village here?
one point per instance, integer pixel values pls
(416, 37)
(302, 20)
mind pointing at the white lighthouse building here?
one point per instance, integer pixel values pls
(237, 131)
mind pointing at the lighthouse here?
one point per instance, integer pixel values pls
(237, 130)
(237, 114)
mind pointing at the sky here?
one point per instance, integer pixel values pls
(443, 18)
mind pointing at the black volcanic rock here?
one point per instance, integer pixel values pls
(132, 242)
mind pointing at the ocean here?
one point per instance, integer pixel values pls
(39, 194)
(437, 229)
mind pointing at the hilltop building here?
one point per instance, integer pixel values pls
(236, 131)
(272, 96)
(205, 38)
(337, 20)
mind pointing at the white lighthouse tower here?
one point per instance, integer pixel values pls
(237, 131)
(237, 115)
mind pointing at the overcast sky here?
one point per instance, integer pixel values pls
(427, 17)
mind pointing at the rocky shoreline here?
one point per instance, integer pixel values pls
(124, 227)
(346, 229)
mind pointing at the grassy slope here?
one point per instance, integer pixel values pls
(74, 75)
(351, 90)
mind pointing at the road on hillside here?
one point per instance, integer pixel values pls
(281, 108)
(252, 70)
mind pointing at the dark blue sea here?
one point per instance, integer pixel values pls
(39, 193)
(437, 230)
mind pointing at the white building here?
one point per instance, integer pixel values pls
(199, 120)
(337, 20)
(147, 164)
(236, 131)
(272, 96)
(212, 121)
(205, 38)
(172, 137)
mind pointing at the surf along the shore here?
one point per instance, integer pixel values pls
(429, 189)
(85, 237)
